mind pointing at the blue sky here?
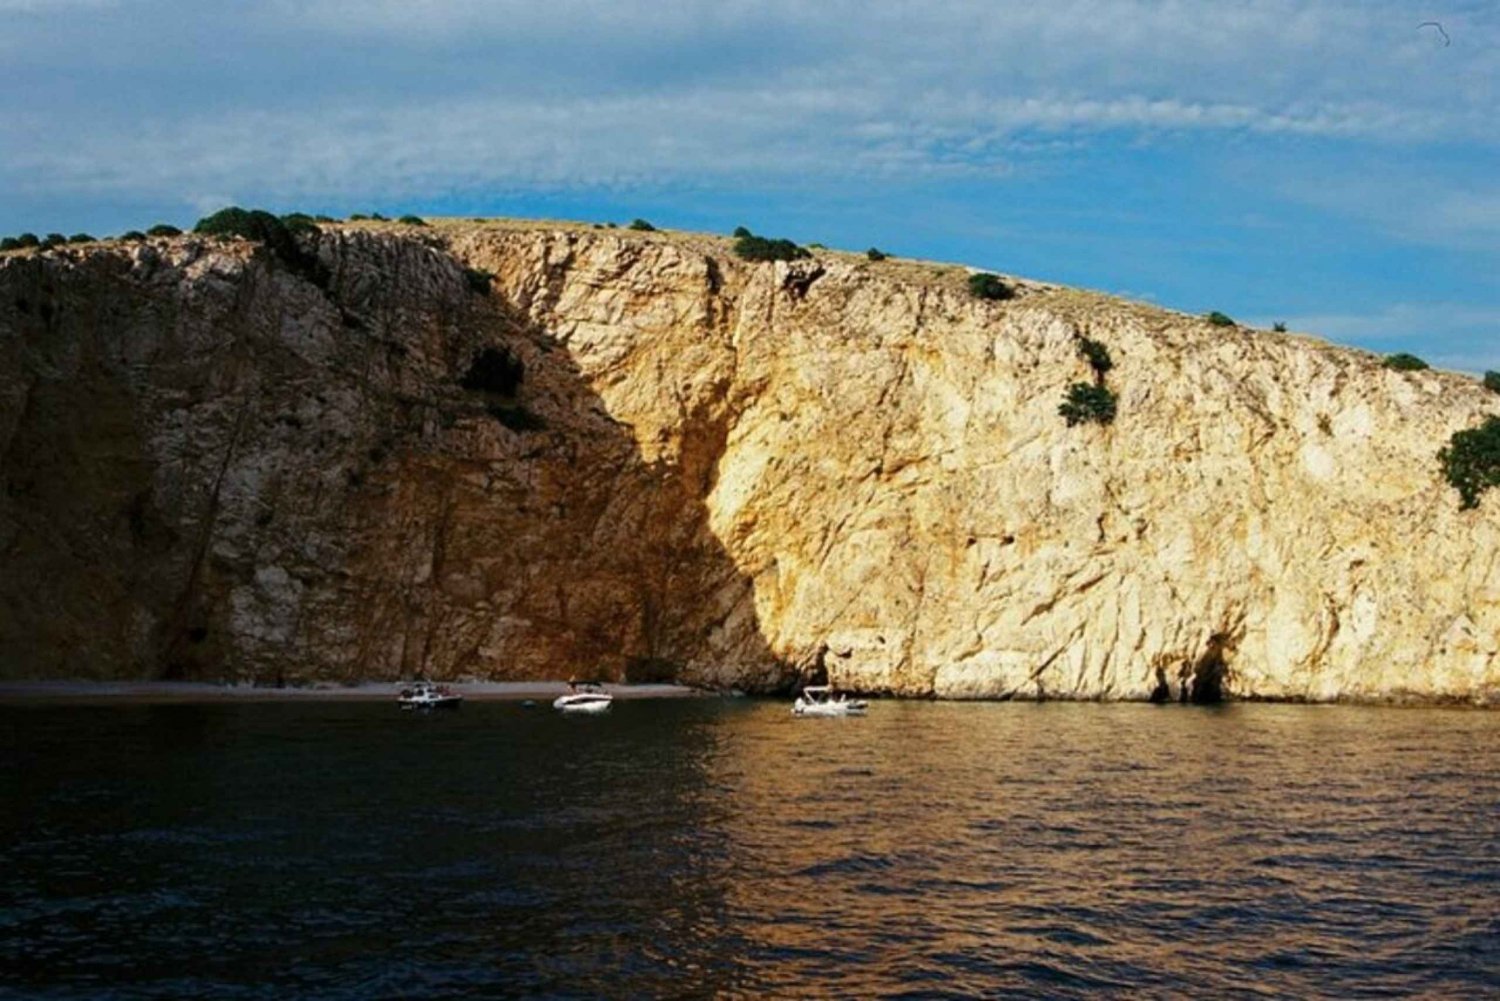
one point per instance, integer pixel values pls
(1330, 164)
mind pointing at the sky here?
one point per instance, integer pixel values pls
(1331, 165)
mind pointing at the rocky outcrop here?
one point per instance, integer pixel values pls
(212, 467)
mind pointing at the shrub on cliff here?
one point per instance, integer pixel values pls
(740, 231)
(9, 243)
(1219, 319)
(1471, 461)
(1279, 327)
(299, 222)
(132, 236)
(163, 229)
(28, 240)
(494, 370)
(412, 220)
(1087, 401)
(1097, 355)
(54, 240)
(642, 225)
(1404, 362)
(988, 286)
(759, 248)
(1492, 381)
(80, 238)
(275, 234)
(875, 254)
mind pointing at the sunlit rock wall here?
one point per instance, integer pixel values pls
(730, 474)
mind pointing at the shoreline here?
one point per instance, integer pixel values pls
(12, 692)
(56, 692)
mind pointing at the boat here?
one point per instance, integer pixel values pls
(820, 700)
(583, 698)
(428, 695)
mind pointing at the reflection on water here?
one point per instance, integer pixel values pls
(723, 847)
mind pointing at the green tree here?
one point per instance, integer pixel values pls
(1492, 381)
(1404, 362)
(412, 220)
(876, 255)
(163, 229)
(642, 225)
(1087, 401)
(1471, 461)
(275, 234)
(1219, 319)
(987, 286)
(759, 248)
(1097, 355)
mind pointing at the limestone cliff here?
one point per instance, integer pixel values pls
(213, 466)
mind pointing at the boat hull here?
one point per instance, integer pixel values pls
(590, 704)
(833, 709)
(446, 702)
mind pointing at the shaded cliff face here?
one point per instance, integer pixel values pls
(215, 469)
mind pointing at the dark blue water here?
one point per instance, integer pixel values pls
(697, 848)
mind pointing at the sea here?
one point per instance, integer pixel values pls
(716, 847)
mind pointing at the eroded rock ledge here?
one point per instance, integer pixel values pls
(713, 472)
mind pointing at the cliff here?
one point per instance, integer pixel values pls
(217, 467)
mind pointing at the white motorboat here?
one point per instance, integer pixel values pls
(820, 700)
(428, 695)
(584, 698)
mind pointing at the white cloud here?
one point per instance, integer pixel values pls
(52, 6)
(600, 93)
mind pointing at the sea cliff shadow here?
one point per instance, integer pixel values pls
(234, 474)
(537, 539)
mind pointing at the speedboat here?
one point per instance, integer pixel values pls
(427, 695)
(819, 700)
(584, 698)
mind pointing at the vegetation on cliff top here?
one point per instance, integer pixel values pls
(277, 234)
(750, 247)
(987, 286)
(1404, 362)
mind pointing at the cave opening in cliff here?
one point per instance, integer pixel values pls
(1210, 672)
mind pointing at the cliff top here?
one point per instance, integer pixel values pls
(1077, 305)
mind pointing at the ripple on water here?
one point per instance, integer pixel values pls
(710, 848)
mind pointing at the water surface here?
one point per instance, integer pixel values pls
(717, 847)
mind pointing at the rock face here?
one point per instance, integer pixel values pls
(214, 468)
